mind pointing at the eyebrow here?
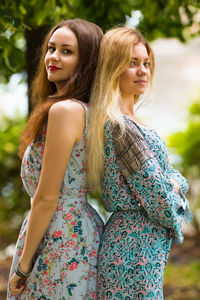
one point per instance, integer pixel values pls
(63, 45)
(135, 58)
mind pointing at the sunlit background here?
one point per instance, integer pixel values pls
(172, 108)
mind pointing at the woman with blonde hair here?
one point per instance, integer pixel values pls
(129, 162)
(56, 252)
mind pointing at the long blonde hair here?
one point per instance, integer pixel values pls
(114, 58)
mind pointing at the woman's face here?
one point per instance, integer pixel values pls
(62, 56)
(135, 79)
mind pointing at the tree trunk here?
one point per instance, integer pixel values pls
(34, 39)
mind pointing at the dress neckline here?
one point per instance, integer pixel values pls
(137, 124)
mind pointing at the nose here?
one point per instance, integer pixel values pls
(55, 55)
(141, 70)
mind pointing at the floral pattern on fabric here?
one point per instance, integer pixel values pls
(65, 265)
(147, 215)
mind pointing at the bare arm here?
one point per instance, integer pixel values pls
(65, 128)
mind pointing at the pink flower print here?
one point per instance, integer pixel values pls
(19, 252)
(70, 268)
(46, 261)
(69, 216)
(46, 281)
(59, 208)
(74, 235)
(91, 274)
(72, 209)
(57, 234)
(30, 181)
(21, 237)
(93, 253)
(71, 243)
(60, 233)
(45, 273)
(63, 274)
(51, 254)
(77, 155)
(40, 144)
(94, 295)
(73, 223)
(73, 266)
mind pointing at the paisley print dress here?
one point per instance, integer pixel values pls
(65, 265)
(147, 213)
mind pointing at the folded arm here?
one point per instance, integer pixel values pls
(154, 190)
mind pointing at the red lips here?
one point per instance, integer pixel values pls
(53, 68)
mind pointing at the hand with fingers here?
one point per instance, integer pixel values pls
(17, 281)
(17, 284)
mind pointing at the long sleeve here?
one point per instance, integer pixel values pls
(151, 187)
(183, 184)
(176, 175)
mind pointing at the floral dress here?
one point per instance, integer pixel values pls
(65, 265)
(147, 213)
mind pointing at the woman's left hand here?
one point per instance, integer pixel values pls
(176, 185)
(17, 284)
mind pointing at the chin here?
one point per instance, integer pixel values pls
(140, 91)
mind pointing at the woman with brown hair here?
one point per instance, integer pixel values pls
(56, 252)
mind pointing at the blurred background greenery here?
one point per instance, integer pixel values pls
(23, 25)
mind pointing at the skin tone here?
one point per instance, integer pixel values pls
(62, 56)
(66, 122)
(134, 81)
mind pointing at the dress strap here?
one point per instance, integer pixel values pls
(85, 106)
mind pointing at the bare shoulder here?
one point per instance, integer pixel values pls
(67, 108)
(67, 116)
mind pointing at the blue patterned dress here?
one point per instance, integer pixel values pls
(147, 214)
(65, 265)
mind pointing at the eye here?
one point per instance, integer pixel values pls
(51, 49)
(147, 64)
(67, 51)
(132, 64)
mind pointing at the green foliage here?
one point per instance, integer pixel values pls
(16, 16)
(13, 201)
(182, 280)
(160, 18)
(163, 18)
(187, 145)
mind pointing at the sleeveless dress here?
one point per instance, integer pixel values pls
(147, 214)
(65, 265)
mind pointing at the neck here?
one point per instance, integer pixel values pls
(127, 106)
(59, 86)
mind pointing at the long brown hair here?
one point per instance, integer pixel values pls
(44, 93)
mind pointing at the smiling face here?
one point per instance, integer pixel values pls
(62, 56)
(135, 79)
